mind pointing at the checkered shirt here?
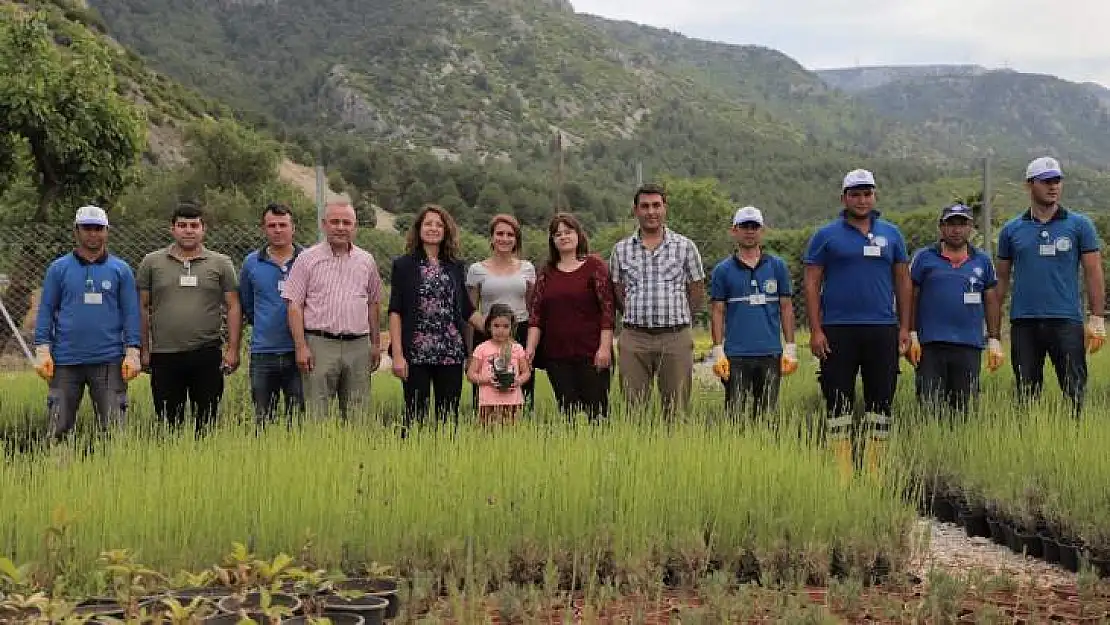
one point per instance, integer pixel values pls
(655, 281)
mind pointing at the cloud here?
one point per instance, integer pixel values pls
(1066, 39)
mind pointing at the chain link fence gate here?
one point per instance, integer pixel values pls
(27, 251)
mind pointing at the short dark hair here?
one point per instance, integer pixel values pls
(187, 210)
(649, 189)
(497, 311)
(276, 208)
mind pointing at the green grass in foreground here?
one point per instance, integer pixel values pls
(632, 498)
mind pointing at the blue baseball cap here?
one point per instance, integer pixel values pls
(957, 210)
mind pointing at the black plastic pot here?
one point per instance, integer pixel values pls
(1051, 550)
(370, 607)
(336, 618)
(944, 509)
(998, 537)
(1069, 556)
(251, 603)
(974, 521)
(99, 606)
(1013, 542)
(383, 587)
(185, 595)
(222, 619)
(1028, 543)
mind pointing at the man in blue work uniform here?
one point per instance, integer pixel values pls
(857, 289)
(954, 297)
(273, 365)
(750, 293)
(1044, 248)
(87, 328)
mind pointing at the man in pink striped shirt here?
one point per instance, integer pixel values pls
(334, 295)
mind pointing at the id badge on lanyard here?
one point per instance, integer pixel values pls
(92, 297)
(188, 280)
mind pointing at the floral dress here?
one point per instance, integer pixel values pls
(436, 339)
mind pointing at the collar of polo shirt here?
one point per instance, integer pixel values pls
(1061, 213)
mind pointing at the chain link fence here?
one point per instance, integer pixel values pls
(27, 251)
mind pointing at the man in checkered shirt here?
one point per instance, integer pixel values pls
(659, 282)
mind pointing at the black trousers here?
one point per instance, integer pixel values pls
(753, 381)
(872, 352)
(580, 386)
(948, 375)
(192, 376)
(444, 380)
(1063, 342)
(529, 387)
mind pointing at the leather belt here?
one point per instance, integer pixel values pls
(659, 330)
(336, 337)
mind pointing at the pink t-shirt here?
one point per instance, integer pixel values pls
(488, 394)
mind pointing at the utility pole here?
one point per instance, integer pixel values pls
(987, 243)
(321, 192)
(559, 164)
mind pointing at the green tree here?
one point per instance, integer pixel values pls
(700, 210)
(227, 156)
(60, 105)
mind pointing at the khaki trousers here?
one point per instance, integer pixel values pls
(341, 371)
(666, 358)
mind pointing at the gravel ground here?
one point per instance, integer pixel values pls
(947, 546)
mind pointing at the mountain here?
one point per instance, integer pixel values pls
(474, 75)
(856, 79)
(1011, 112)
(484, 86)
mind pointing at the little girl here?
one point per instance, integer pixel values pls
(499, 367)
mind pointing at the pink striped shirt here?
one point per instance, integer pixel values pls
(334, 291)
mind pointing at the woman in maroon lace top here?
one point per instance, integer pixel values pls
(572, 311)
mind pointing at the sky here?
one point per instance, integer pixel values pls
(1066, 38)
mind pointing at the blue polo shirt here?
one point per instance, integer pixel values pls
(88, 311)
(752, 325)
(1046, 260)
(263, 306)
(858, 284)
(946, 313)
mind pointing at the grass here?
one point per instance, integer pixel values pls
(630, 503)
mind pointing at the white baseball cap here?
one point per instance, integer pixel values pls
(858, 178)
(1044, 168)
(91, 216)
(746, 214)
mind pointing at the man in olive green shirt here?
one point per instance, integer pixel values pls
(185, 292)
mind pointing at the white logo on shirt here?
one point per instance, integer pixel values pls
(771, 286)
(1063, 244)
(978, 271)
(880, 241)
(106, 285)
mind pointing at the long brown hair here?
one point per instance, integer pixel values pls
(448, 247)
(570, 221)
(509, 221)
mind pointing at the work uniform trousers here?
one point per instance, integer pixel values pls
(948, 376)
(193, 376)
(107, 390)
(872, 352)
(753, 383)
(1063, 341)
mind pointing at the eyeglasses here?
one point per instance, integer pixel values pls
(92, 227)
(749, 225)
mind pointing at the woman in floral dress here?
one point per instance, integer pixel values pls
(429, 318)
